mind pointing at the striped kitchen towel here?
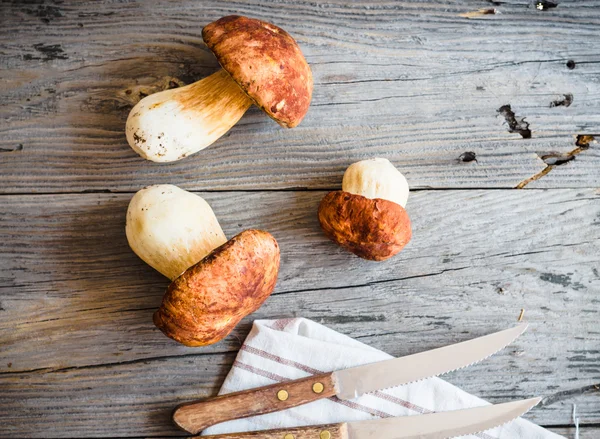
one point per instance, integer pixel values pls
(287, 349)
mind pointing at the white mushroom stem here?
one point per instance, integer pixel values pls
(173, 124)
(376, 178)
(171, 229)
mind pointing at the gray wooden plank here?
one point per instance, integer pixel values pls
(584, 433)
(137, 398)
(76, 330)
(412, 81)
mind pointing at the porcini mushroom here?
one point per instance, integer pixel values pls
(367, 216)
(171, 229)
(261, 64)
(210, 298)
(215, 282)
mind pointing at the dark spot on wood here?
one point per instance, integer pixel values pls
(570, 64)
(95, 14)
(558, 279)
(80, 24)
(9, 365)
(446, 260)
(29, 57)
(583, 140)
(128, 92)
(143, 95)
(480, 88)
(568, 394)
(342, 319)
(515, 125)
(565, 102)
(173, 84)
(273, 109)
(557, 159)
(50, 51)
(468, 156)
(45, 13)
(544, 5)
(96, 191)
(18, 147)
(500, 290)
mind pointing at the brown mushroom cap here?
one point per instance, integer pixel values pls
(209, 299)
(374, 229)
(267, 64)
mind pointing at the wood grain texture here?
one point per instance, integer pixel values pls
(584, 432)
(198, 415)
(81, 353)
(336, 431)
(412, 81)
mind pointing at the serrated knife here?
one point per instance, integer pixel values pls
(443, 425)
(349, 383)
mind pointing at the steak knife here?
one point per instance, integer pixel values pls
(442, 425)
(351, 383)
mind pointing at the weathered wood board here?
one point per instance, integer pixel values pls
(82, 354)
(413, 81)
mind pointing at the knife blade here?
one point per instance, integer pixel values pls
(442, 425)
(349, 383)
(356, 381)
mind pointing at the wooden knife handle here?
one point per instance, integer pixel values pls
(329, 431)
(196, 416)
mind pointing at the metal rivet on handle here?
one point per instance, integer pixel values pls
(289, 436)
(282, 395)
(325, 435)
(318, 387)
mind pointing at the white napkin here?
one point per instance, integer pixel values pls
(287, 349)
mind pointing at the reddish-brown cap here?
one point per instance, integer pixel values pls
(267, 64)
(209, 299)
(374, 229)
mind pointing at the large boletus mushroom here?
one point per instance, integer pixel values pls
(367, 216)
(261, 64)
(215, 282)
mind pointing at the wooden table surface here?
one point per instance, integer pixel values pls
(415, 81)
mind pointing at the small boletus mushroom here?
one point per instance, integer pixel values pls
(367, 216)
(215, 282)
(261, 64)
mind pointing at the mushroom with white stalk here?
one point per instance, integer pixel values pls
(261, 64)
(367, 217)
(215, 282)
